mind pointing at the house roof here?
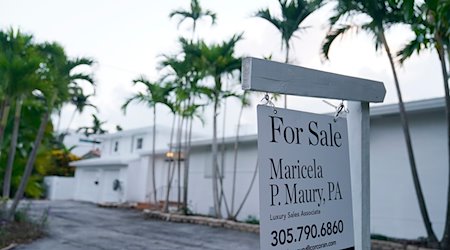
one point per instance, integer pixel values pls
(419, 106)
(124, 133)
(107, 161)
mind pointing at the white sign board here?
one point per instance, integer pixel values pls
(304, 180)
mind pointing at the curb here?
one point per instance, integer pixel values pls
(200, 220)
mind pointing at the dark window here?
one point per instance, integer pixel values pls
(139, 143)
(116, 146)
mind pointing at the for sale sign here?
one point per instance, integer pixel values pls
(304, 180)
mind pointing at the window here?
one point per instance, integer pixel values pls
(139, 143)
(116, 146)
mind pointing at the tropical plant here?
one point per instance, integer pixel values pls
(217, 61)
(293, 13)
(379, 16)
(430, 24)
(186, 76)
(155, 93)
(18, 65)
(58, 73)
(80, 101)
(195, 13)
(95, 129)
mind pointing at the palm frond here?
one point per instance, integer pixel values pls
(330, 38)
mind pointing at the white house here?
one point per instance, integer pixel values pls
(122, 174)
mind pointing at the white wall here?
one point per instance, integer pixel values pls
(395, 211)
(60, 188)
(137, 180)
(394, 207)
(200, 183)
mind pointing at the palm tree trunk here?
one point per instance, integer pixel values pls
(247, 193)
(223, 147)
(405, 125)
(58, 125)
(70, 121)
(166, 201)
(445, 243)
(153, 156)
(286, 61)
(236, 145)
(31, 158)
(12, 149)
(179, 137)
(214, 151)
(187, 153)
(6, 105)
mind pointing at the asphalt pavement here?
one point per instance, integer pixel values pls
(79, 225)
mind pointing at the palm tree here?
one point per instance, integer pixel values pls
(95, 129)
(293, 13)
(431, 28)
(155, 93)
(195, 13)
(245, 102)
(382, 15)
(80, 101)
(217, 60)
(57, 72)
(186, 76)
(18, 62)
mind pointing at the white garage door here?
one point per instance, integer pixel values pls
(111, 186)
(89, 185)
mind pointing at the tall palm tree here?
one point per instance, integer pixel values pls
(186, 76)
(155, 93)
(432, 30)
(293, 13)
(381, 16)
(217, 60)
(80, 101)
(58, 74)
(19, 63)
(195, 13)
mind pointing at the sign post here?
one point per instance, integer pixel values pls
(273, 77)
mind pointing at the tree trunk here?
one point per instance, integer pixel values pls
(286, 61)
(12, 149)
(186, 160)
(30, 163)
(6, 105)
(184, 206)
(222, 148)
(236, 146)
(247, 193)
(445, 243)
(153, 156)
(405, 125)
(214, 151)
(179, 137)
(166, 201)
(70, 121)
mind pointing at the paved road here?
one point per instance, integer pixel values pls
(76, 225)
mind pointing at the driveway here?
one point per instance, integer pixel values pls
(77, 225)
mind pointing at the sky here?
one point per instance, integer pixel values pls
(128, 38)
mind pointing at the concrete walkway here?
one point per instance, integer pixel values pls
(76, 225)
